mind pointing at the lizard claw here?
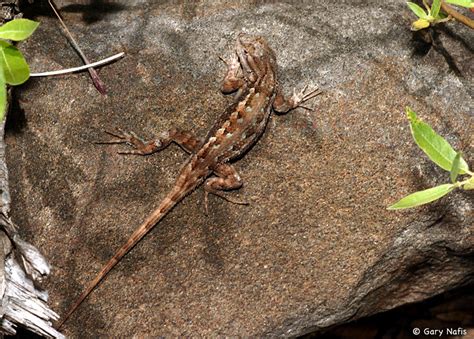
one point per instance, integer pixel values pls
(223, 196)
(129, 138)
(120, 137)
(223, 60)
(117, 140)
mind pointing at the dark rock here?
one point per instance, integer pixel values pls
(451, 312)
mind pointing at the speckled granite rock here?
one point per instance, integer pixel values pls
(317, 246)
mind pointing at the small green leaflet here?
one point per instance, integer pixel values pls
(3, 96)
(435, 146)
(462, 3)
(423, 197)
(435, 8)
(469, 185)
(13, 64)
(18, 29)
(419, 12)
(455, 169)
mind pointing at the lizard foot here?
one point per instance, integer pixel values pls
(223, 196)
(140, 146)
(298, 98)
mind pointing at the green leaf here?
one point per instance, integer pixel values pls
(13, 64)
(18, 29)
(435, 146)
(422, 197)
(469, 185)
(3, 97)
(419, 12)
(462, 3)
(435, 8)
(455, 169)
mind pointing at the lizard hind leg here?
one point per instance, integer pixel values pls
(186, 140)
(227, 179)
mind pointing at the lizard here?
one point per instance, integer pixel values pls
(252, 75)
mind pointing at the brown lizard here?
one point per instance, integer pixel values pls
(252, 73)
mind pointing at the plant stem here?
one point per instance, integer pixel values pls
(428, 8)
(80, 68)
(456, 15)
(95, 77)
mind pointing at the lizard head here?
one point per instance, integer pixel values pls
(255, 56)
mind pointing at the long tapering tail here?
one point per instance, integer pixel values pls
(166, 205)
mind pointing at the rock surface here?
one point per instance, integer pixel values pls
(317, 246)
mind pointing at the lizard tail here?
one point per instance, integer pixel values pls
(166, 205)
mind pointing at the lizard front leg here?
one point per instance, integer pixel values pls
(185, 139)
(282, 105)
(227, 179)
(233, 80)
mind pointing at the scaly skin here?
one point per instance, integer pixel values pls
(252, 73)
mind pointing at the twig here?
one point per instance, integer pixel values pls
(456, 15)
(95, 77)
(80, 68)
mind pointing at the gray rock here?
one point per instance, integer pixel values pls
(317, 246)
